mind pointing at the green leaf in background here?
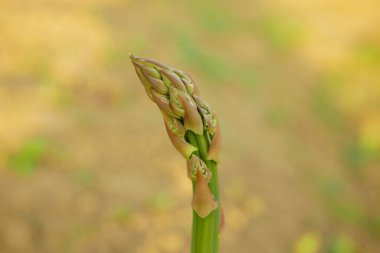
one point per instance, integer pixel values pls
(280, 32)
(342, 244)
(27, 159)
(349, 212)
(368, 53)
(214, 18)
(322, 104)
(373, 225)
(357, 155)
(337, 202)
(122, 213)
(213, 66)
(307, 243)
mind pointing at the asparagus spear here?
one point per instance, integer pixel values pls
(193, 128)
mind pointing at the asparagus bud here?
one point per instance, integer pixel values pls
(192, 127)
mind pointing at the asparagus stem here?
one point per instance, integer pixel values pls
(206, 231)
(195, 230)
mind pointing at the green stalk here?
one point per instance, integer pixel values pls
(193, 129)
(205, 235)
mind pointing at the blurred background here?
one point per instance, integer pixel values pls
(85, 163)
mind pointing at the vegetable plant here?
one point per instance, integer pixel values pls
(193, 129)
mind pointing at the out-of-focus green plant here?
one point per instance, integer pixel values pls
(342, 244)
(280, 33)
(27, 159)
(213, 65)
(307, 243)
